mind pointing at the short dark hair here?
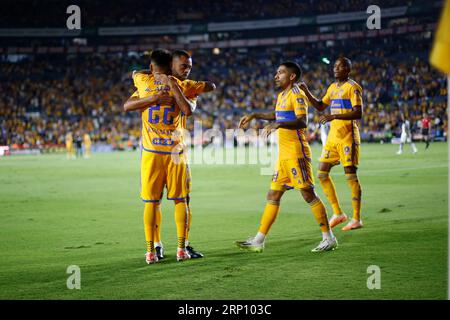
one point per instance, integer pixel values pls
(181, 53)
(347, 62)
(294, 68)
(161, 58)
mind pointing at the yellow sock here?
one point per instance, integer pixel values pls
(181, 215)
(320, 213)
(330, 191)
(158, 220)
(270, 214)
(355, 187)
(188, 227)
(149, 224)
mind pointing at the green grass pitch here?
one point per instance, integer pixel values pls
(56, 212)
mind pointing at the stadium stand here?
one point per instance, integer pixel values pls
(45, 95)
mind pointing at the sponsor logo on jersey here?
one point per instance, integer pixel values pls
(335, 104)
(162, 142)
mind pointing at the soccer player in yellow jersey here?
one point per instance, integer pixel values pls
(87, 145)
(293, 169)
(344, 97)
(69, 146)
(181, 68)
(162, 165)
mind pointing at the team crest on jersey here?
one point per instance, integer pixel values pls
(346, 149)
(301, 100)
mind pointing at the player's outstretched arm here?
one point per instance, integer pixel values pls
(299, 123)
(356, 114)
(140, 104)
(316, 103)
(264, 115)
(209, 86)
(246, 119)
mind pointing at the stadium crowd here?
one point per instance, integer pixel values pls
(45, 97)
(129, 13)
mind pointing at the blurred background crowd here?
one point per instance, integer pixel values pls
(46, 96)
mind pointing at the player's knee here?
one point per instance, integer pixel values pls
(325, 166)
(351, 170)
(351, 176)
(323, 175)
(308, 194)
(274, 195)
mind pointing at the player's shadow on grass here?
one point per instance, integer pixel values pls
(275, 248)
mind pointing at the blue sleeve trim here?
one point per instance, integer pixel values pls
(159, 152)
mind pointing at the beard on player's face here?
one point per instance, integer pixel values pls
(281, 82)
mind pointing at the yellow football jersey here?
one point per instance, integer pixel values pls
(69, 138)
(342, 99)
(158, 121)
(87, 139)
(292, 144)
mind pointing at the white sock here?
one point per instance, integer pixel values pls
(328, 235)
(259, 238)
(186, 243)
(414, 147)
(158, 244)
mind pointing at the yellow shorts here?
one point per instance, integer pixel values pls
(346, 153)
(292, 174)
(159, 171)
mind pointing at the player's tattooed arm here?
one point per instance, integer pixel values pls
(246, 119)
(356, 114)
(183, 103)
(140, 104)
(316, 103)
